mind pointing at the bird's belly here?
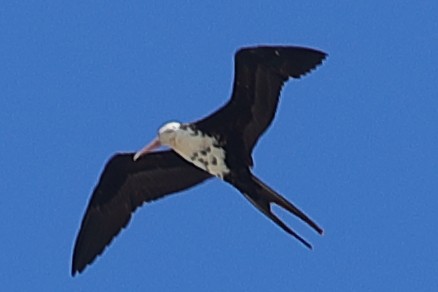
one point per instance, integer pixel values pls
(202, 152)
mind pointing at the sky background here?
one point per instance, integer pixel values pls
(354, 144)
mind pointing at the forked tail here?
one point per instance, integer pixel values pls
(262, 197)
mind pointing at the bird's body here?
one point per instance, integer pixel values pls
(201, 150)
(219, 145)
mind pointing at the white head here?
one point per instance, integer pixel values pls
(166, 137)
(167, 133)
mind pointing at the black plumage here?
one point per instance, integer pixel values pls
(125, 184)
(123, 187)
(259, 75)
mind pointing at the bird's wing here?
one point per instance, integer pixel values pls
(259, 75)
(123, 186)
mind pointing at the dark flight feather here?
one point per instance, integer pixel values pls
(260, 73)
(259, 76)
(123, 187)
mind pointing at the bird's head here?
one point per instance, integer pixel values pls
(166, 137)
(167, 133)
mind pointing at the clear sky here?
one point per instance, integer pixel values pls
(354, 144)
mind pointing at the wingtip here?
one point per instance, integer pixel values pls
(75, 270)
(323, 56)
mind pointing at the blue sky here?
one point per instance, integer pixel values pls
(354, 144)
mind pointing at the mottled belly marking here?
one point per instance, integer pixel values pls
(202, 151)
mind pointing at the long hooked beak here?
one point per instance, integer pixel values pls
(148, 148)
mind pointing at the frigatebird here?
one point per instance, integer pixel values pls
(219, 145)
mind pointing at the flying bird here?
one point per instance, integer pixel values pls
(219, 145)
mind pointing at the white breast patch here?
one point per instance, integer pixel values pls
(199, 149)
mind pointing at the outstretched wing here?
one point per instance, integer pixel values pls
(124, 186)
(260, 73)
